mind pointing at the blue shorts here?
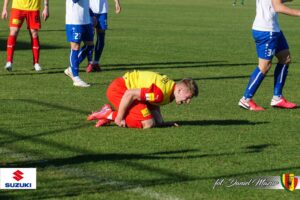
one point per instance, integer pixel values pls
(269, 44)
(101, 21)
(79, 33)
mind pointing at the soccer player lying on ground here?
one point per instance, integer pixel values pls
(137, 96)
(269, 41)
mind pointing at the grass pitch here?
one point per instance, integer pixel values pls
(42, 116)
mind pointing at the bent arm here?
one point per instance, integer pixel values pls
(279, 7)
(127, 99)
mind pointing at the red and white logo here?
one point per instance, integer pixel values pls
(17, 178)
(18, 175)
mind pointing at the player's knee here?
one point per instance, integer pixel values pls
(14, 31)
(148, 123)
(288, 60)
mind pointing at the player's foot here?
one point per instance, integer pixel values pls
(102, 122)
(68, 72)
(282, 103)
(89, 68)
(76, 80)
(96, 67)
(37, 67)
(8, 66)
(249, 105)
(80, 83)
(103, 113)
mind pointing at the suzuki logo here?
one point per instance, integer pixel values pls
(18, 175)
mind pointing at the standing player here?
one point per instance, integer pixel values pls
(269, 41)
(98, 12)
(21, 10)
(137, 96)
(78, 28)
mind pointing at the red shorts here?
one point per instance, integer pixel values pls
(136, 113)
(17, 18)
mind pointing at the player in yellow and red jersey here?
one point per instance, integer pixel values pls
(21, 10)
(137, 97)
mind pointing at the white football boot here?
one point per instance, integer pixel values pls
(37, 67)
(8, 66)
(76, 80)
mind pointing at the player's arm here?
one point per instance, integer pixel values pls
(127, 99)
(117, 6)
(4, 10)
(159, 121)
(279, 7)
(45, 13)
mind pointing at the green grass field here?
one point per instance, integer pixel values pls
(43, 117)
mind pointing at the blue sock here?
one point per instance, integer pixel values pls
(86, 51)
(74, 62)
(280, 74)
(82, 53)
(255, 80)
(99, 46)
(89, 53)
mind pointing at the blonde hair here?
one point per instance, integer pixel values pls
(191, 85)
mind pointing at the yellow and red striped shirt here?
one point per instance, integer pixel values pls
(155, 88)
(30, 5)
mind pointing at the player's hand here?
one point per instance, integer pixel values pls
(117, 8)
(45, 13)
(120, 122)
(4, 14)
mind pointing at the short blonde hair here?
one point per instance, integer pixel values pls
(191, 85)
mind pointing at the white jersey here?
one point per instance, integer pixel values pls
(77, 13)
(99, 6)
(266, 18)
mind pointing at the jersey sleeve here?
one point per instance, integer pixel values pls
(152, 94)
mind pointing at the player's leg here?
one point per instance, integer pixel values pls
(35, 44)
(281, 71)
(74, 36)
(17, 18)
(87, 50)
(100, 40)
(265, 56)
(33, 25)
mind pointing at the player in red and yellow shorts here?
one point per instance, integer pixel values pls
(22, 10)
(137, 97)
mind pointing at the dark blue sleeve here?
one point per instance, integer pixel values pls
(75, 1)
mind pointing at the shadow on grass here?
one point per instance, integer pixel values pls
(141, 66)
(22, 45)
(258, 148)
(98, 183)
(227, 122)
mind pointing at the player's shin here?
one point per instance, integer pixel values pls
(280, 74)
(255, 80)
(11, 43)
(35, 44)
(74, 62)
(99, 46)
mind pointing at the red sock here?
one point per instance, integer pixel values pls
(114, 115)
(35, 44)
(11, 43)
